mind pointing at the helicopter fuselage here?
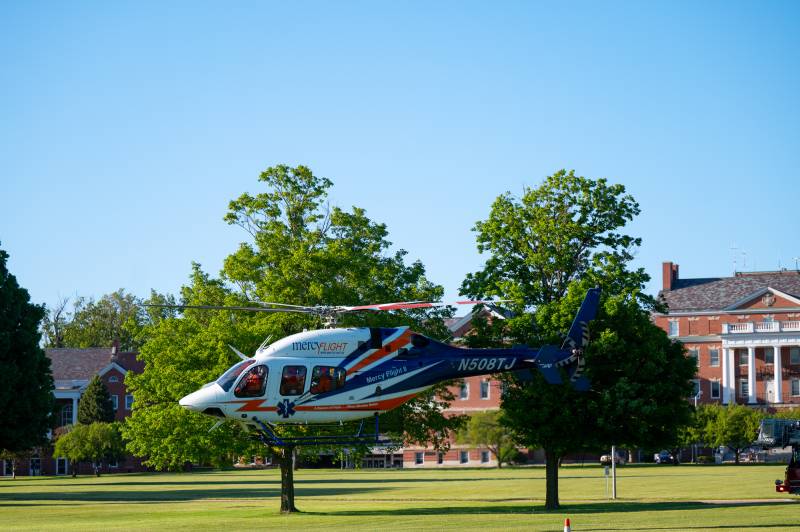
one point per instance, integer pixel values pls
(336, 375)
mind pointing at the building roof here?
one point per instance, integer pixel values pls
(70, 364)
(718, 293)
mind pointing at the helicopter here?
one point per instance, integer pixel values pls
(336, 375)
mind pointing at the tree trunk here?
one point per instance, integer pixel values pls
(287, 480)
(13, 469)
(736, 454)
(551, 474)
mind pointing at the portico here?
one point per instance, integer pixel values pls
(739, 344)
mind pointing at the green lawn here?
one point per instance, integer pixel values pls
(651, 497)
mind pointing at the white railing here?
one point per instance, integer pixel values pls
(768, 326)
(734, 328)
(761, 327)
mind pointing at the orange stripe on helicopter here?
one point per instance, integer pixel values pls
(253, 405)
(386, 404)
(384, 351)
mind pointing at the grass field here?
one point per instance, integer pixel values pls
(649, 498)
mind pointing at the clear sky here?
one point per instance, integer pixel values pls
(126, 127)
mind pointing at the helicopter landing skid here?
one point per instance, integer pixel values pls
(268, 436)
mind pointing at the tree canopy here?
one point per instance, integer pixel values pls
(545, 250)
(734, 426)
(26, 382)
(93, 443)
(115, 317)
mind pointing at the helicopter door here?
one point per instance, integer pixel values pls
(293, 380)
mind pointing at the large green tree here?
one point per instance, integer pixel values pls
(26, 382)
(545, 250)
(299, 251)
(95, 404)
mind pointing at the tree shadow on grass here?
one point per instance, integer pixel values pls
(571, 509)
(180, 495)
(91, 481)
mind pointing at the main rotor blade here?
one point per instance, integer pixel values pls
(219, 307)
(266, 303)
(402, 305)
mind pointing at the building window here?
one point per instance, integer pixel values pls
(715, 389)
(115, 402)
(742, 357)
(744, 390)
(61, 466)
(440, 458)
(463, 392)
(694, 352)
(794, 355)
(419, 458)
(484, 389)
(128, 402)
(795, 387)
(713, 358)
(113, 378)
(66, 414)
(293, 380)
(484, 457)
(696, 387)
(463, 457)
(673, 328)
(769, 355)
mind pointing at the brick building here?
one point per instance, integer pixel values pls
(744, 331)
(72, 370)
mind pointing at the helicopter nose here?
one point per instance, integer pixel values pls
(199, 400)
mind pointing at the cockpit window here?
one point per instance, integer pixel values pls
(293, 380)
(253, 384)
(326, 379)
(229, 377)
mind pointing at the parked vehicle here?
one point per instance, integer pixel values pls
(606, 460)
(664, 457)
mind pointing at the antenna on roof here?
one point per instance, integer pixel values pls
(796, 260)
(734, 249)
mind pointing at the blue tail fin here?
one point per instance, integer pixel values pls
(578, 335)
(578, 338)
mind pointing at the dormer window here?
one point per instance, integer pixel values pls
(113, 378)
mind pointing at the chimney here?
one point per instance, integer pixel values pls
(669, 273)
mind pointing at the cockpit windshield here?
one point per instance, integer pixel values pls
(229, 377)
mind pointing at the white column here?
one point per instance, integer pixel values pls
(732, 363)
(74, 410)
(726, 396)
(751, 375)
(776, 355)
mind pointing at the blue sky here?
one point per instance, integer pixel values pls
(126, 127)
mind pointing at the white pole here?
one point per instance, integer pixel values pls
(614, 472)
